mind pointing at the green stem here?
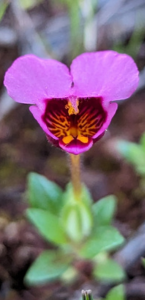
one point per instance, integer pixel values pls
(75, 175)
(86, 295)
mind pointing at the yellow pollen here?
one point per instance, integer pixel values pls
(71, 109)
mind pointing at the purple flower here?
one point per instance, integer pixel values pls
(73, 107)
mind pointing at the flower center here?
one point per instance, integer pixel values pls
(80, 122)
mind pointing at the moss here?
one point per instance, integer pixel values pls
(11, 174)
(58, 165)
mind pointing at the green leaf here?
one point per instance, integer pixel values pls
(104, 238)
(3, 7)
(104, 210)
(75, 28)
(49, 266)
(143, 262)
(109, 270)
(133, 154)
(73, 8)
(142, 142)
(130, 151)
(48, 225)
(117, 293)
(134, 43)
(28, 4)
(43, 193)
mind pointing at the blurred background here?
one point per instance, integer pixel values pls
(62, 29)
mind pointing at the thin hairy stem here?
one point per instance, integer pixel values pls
(75, 175)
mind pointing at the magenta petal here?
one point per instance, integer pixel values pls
(38, 116)
(104, 74)
(31, 80)
(110, 114)
(76, 147)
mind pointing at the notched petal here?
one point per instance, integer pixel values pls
(31, 80)
(108, 74)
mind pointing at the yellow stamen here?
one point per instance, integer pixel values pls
(83, 139)
(67, 139)
(71, 109)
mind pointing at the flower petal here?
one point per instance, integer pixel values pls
(32, 80)
(38, 116)
(111, 112)
(76, 147)
(107, 74)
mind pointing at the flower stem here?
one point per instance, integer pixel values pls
(75, 175)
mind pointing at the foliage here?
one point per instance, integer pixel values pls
(143, 262)
(134, 154)
(101, 214)
(87, 295)
(75, 24)
(133, 45)
(108, 270)
(3, 6)
(102, 238)
(116, 293)
(28, 4)
(43, 193)
(48, 225)
(79, 229)
(47, 267)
